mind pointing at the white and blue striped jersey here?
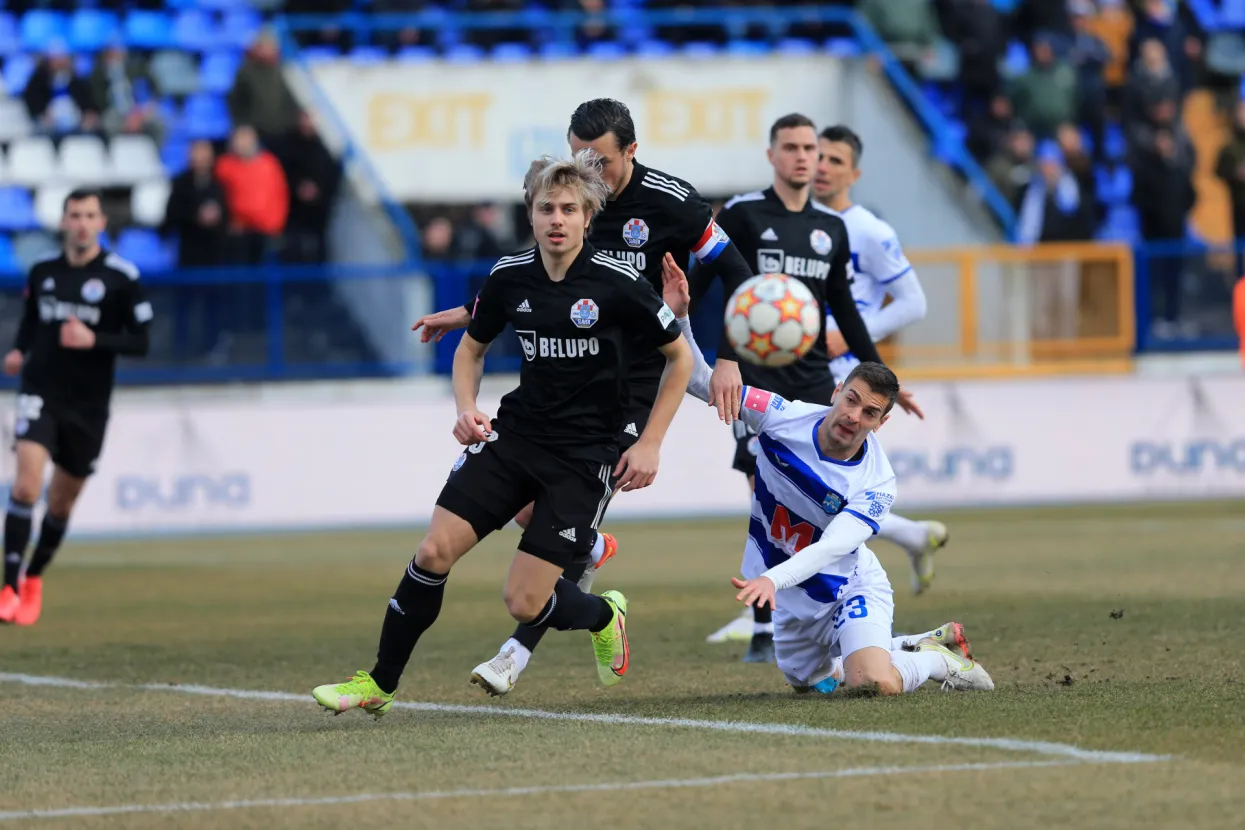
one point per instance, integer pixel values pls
(799, 491)
(877, 258)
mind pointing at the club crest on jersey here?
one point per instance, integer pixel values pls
(93, 290)
(820, 240)
(635, 232)
(832, 503)
(49, 284)
(584, 314)
(459, 462)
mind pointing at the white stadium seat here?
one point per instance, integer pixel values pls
(84, 161)
(14, 120)
(135, 159)
(50, 205)
(32, 161)
(148, 201)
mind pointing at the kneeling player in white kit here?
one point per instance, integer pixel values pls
(823, 486)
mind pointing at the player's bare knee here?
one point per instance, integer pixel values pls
(875, 679)
(434, 554)
(25, 489)
(524, 604)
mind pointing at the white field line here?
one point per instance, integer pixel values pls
(795, 730)
(612, 786)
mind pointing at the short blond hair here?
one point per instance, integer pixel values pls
(581, 172)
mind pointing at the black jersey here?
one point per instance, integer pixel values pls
(810, 245)
(106, 295)
(578, 337)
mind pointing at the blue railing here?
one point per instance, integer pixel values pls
(1199, 279)
(561, 27)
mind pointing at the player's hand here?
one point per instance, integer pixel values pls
(13, 362)
(75, 334)
(472, 427)
(435, 326)
(836, 346)
(757, 592)
(674, 288)
(726, 389)
(907, 402)
(638, 466)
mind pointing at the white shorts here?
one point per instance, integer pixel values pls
(841, 367)
(862, 617)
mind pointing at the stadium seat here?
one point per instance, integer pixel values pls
(368, 55)
(747, 48)
(148, 201)
(239, 26)
(319, 54)
(14, 119)
(17, 209)
(83, 161)
(792, 46)
(510, 52)
(135, 159)
(84, 63)
(194, 31)
(558, 51)
(31, 247)
(174, 73)
(218, 71)
(1113, 142)
(143, 247)
(222, 5)
(654, 49)
(606, 50)
(9, 263)
(1015, 61)
(148, 30)
(92, 29)
(1232, 15)
(206, 116)
(699, 50)
(464, 53)
(412, 54)
(175, 155)
(842, 47)
(40, 27)
(50, 204)
(32, 161)
(17, 71)
(10, 42)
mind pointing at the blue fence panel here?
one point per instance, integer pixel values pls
(1184, 295)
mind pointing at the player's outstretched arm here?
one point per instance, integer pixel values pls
(440, 323)
(472, 425)
(843, 535)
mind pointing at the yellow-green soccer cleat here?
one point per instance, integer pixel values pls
(359, 692)
(610, 643)
(923, 559)
(952, 636)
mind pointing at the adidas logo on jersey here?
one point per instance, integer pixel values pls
(568, 534)
(769, 235)
(524, 306)
(631, 430)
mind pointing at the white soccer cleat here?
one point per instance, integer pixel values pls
(497, 676)
(936, 536)
(738, 630)
(963, 675)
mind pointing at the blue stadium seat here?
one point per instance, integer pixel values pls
(222, 5)
(1122, 184)
(92, 29)
(1123, 222)
(206, 116)
(606, 50)
(143, 247)
(558, 50)
(17, 71)
(1113, 142)
(795, 46)
(416, 54)
(17, 209)
(699, 50)
(194, 31)
(148, 29)
(654, 49)
(1015, 60)
(218, 70)
(175, 155)
(1232, 15)
(843, 47)
(319, 54)
(747, 48)
(9, 263)
(10, 42)
(239, 27)
(510, 52)
(464, 53)
(368, 55)
(83, 63)
(40, 28)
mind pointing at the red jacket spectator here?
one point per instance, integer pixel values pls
(256, 192)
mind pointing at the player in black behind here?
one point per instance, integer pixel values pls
(782, 230)
(83, 308)
(581, 316)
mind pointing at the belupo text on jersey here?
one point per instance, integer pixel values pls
(51, 309)
(774, 261)
(556, 347)
(636, 259)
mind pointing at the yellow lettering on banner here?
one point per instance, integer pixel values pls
(719, 117)
(396, 121)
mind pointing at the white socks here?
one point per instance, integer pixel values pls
(906, 533)
(598, 549)
(908, 640)
(521, 654)
(763, 628)
(915, 667)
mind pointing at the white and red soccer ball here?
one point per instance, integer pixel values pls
(772, 320)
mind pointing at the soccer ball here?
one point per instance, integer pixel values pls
(772, 320)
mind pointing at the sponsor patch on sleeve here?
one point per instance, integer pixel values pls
(665, 316)
(756, 399)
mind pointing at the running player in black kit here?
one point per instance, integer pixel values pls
(83, 308)
(580, 316)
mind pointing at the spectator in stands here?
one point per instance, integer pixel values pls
(408, 35)
(1162, 115)
(1152, 82)
(125, 91)
(313, 176)
(1046, 95)
(260, 97)
(58, 99)
(988, 130)
(1161, 21)
(1230, 166)
(476, 236)
(909, 27)
(1089, 57)
(436, 239)
(1079, 165)
(1163, 193)
(329, 35)
(1045, 20)
(978, 29)
(1011, 167)
(256, 197)
(1113, 25)
(196, 212)
(492, 37)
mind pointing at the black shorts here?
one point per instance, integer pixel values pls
(493, 480)
(73, 436)
(746, 444)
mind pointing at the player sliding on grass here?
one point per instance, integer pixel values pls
(554, 443)
(823, 485)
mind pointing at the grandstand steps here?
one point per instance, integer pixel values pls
(1208, 130)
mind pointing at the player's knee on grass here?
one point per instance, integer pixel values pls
(870, 669)
(524, 517)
